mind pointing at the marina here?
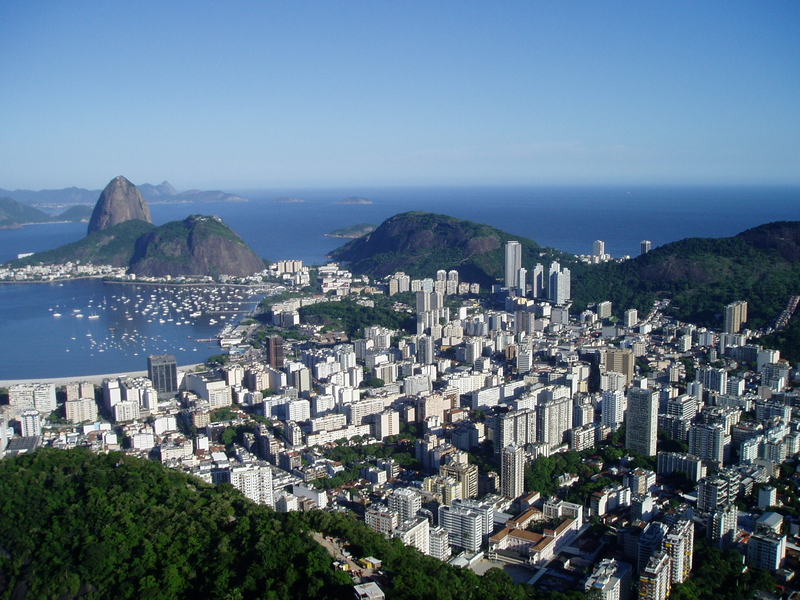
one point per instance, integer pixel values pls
(89, 326)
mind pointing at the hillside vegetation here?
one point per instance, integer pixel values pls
(14, 214)
(112, 246)
(420, 243)
(702, 275)
(77, 524)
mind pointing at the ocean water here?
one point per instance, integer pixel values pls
(37, 345)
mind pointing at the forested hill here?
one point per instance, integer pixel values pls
(76, 524)
(702, 275)
(421, 243)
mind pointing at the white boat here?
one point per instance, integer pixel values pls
(55, 314)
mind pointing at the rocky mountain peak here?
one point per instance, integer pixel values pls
(120, 201)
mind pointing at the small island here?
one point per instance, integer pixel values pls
(288, 199)
(354, 200)
(353, 231)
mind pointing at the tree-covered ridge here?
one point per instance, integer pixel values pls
(14, 214)
(350, 317)
(421, 243)
(702, 275)
(112, 246)
(73, 523)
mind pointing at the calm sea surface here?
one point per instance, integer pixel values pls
(35, 344)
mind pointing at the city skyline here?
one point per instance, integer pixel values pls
(258, 96)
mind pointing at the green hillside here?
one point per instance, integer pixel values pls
(702, 275)
(112, 246)
(78, 524)
(14, 214)
(76, 213)
(420, 243)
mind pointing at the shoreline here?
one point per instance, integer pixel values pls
(95, 379)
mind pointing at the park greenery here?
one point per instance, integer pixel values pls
(351, 317)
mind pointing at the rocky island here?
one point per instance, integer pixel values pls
(353, 231)
(354, 200)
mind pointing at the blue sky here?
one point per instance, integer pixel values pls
(236, 95)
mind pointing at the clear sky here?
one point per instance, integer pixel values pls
(233, 95)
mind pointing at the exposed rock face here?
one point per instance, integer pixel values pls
(120, 201)
(196, 246)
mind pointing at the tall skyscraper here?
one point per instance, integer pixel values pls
(644, 246)
(163, 372)
(512, 476)
(642, 421)
(559, 288)
(513, 264)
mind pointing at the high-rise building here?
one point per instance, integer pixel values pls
(710, 442)
(721, 526)
(30, 423)
(735, 316)
(513, 264)
(599, 248)
(537, 281)
(554, 418)
(512, 472)
(612, 407)
(650, 542)
(515, 427)
(642, 421)
(644, 246)
(162, 370)
(679, 544)
(415, 532)
(405, 502)
(80, 410)
(439, 543)
(255, 482)
(463, 525)
(464, 473)
(559, 289)
(621, 361)
(274, 351)
(654, 578)
(713, 379)
(631, 317)
(766, 550)
(611, 580)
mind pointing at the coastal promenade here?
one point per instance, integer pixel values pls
(96, 379)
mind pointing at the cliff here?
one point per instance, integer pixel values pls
(120, 201)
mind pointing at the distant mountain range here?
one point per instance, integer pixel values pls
(699, 275)
(163, 192)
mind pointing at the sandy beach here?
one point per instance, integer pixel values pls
(96, 379)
